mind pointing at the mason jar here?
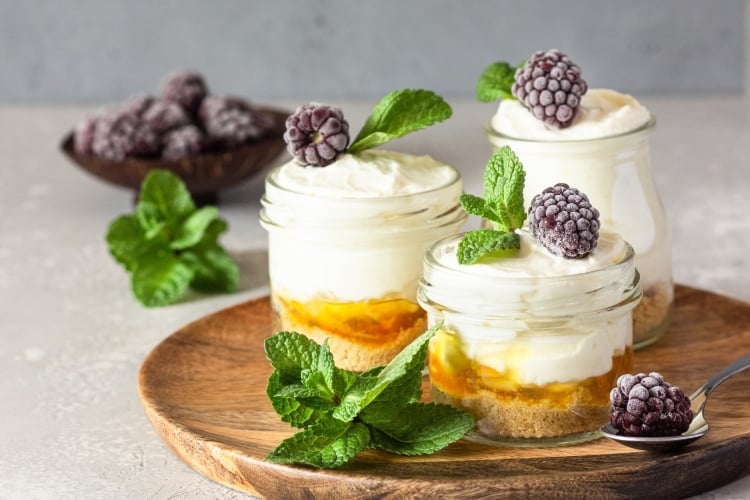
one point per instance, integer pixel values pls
(615, 172)
(345, 267)
(529, 345)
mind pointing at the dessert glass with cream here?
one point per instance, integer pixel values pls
(346, 244)
(604, 152)
(530, 344)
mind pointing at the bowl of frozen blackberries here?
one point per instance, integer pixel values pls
(210, 141)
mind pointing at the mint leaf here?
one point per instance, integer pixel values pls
(495, 82)
(378, 408)
(167, 230)
(163, 196)
(481, 242)
(193, 228)
(299, 413)
(504, 179)
(421, 429)
(398, 114)
(290, 353)
(160, 278)
(366, 389)
(502, 205)
(328, 444)
(215, 271)
(476, 205)
(127, 242)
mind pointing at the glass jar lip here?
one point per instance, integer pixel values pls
(627, 259)
(271, 182)
(647, 126)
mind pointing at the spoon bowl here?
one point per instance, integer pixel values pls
(698, 426)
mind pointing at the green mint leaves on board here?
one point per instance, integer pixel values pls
(502, 205)
(398, 114)
(342, 413)
(169, 245)
(495, 82)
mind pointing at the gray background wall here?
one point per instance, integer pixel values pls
(91, 51)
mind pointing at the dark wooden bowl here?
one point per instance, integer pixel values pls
(204, 175)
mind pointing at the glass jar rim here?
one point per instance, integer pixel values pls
(609, 288)
(647, 126)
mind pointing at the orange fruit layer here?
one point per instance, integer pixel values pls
(370, 322)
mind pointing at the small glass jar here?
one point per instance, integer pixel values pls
(615, 173)
(532, 358)
(346, 269)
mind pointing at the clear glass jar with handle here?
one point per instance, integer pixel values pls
(615, 172)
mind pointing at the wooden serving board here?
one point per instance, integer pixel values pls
(203, 388)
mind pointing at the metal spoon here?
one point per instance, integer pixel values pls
(698, 427)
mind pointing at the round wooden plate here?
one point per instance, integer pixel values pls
(203, 388)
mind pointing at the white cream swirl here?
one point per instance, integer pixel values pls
(370, 174)
(602, 113)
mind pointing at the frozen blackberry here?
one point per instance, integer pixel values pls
(119, 135)
(551, 87)
(186, 88)
(83, 136)
(231, 121)
(163, 116)
(184, 142)
(138, 105)
(316, 134)
(562, 219)
(646, 405)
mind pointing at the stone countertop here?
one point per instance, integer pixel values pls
(72, 337)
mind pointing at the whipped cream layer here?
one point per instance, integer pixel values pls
(602, 113)
(535, 315)
(370, 174)
(357, 229)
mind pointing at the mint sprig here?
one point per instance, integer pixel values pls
(502, 205)
(343, 413)
(496, 81)
(398, 114)
(169, 245)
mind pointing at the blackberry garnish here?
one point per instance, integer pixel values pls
(646, 405)
(551, 87)
(562, 219)
(316, 134)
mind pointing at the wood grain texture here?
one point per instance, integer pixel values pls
(203, 388)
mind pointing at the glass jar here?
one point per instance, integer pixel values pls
(615, 173)
(346, 269)
(532, 357)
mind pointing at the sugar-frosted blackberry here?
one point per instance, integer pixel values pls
(83, 136)
(551, 87)
(232, 121)
(184, 142)
(646, 405)
(138, 105)
(316, 134)
(119, 135)
(186, 88)
(163, 116)
(562, 219)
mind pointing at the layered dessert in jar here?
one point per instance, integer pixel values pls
(534, 334)
(598, 140)
(346, 239)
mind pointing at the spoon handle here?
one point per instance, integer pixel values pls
(732, 369)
